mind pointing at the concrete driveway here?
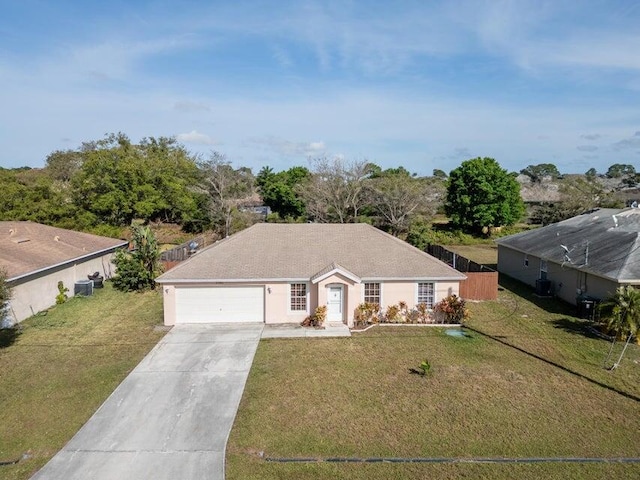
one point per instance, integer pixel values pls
(171, 417)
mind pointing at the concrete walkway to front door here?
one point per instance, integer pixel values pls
(171, 417)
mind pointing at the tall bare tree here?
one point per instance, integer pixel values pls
(396, 198)
(336, 192)
(227, 187)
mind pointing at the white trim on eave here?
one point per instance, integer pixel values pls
(67, 262)
(416, 279)
(304, 279)
(231, 280)
(341, 271)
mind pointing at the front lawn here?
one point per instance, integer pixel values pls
(527, 382)
(60, 367)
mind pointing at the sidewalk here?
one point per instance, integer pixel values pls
(285, 330)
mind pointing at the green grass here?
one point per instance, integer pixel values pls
(527, 383)
(60, 367)
(482, 254)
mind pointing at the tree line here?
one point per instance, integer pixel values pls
(106, 184)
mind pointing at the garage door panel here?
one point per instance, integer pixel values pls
(219, 304)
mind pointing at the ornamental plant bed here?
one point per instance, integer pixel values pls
(451, 310)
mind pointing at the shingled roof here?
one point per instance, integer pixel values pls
(268, 251)
(605, 242)
(27, 247)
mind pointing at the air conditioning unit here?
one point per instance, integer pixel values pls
(544, 288)
(83, 287)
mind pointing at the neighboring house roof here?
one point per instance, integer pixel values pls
(605, 242)
(268, 251)
(27, 247)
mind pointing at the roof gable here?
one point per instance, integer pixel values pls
(333, 269)
(605, 242)
(268, 251)
(27, 247)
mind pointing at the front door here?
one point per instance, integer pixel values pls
(334, 304)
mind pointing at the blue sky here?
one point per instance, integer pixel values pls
(422, 84)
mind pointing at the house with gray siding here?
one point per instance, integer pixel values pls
(587, 256)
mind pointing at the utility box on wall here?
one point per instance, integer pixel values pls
(544, 288)
(587, 307)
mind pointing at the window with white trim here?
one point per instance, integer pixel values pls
(543, 269)
(426, 293)
(372, 293)
(298, 301)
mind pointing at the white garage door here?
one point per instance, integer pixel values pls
(219, 304)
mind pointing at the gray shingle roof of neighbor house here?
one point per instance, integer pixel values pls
(605, 242)
(28, 247)
(268, 251)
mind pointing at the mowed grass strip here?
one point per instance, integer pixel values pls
(61, 366)
(355, 397)
(482, 254)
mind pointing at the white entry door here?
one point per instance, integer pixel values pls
(334, 304)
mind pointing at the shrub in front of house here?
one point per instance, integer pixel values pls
(451, 309)
(370, 313)
(317, 319)
(366, 314)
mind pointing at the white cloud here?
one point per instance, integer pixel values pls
(195, 137)
(190, 106)
(630, 143)
(587, 148)
(288, 147)
(591, 136)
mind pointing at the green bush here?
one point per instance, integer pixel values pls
(62, 296)
(5, 294)
(453, 309)
(317, 319)
(138, 269)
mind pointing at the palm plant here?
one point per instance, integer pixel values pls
(622, 313)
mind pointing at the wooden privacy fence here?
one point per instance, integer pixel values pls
(481, 282)
(181, 252)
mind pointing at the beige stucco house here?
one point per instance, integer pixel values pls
(36, 257)
(584, 257)
(279, 273)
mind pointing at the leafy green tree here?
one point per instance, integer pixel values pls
(31, 194)
(538, 172)
(481, 194)
(281, 191)
(119, 181)
(591, 173)
(420, 234)
(622, 313)
(64, 164)
(441, 174)
(618, 170)
(137, 270)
